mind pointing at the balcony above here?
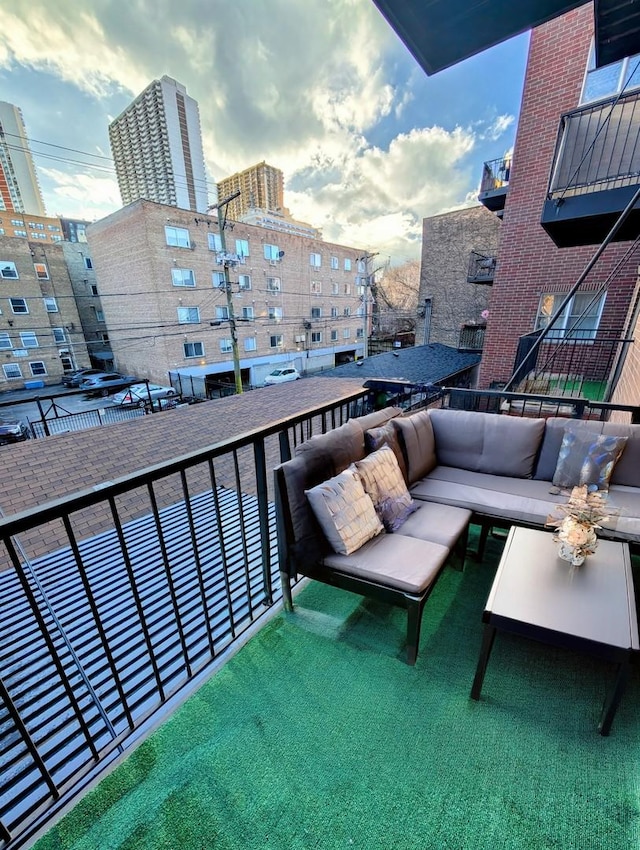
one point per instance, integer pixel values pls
(481, 268)
(495, 184)
(595, 172)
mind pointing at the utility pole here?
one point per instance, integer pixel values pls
(227, 261)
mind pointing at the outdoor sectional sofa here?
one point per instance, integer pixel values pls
(496, 469)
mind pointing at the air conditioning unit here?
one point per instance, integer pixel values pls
(63, 352)
(273, 262)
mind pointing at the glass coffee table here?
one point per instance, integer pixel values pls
(589, 608)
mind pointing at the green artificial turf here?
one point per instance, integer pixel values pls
(317, 735)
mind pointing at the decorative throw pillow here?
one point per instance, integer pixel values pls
(382, 480)
(587, 459)
(386, 435)
(344, 511)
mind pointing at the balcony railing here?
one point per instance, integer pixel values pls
(495, 184)
(595, 172)
(471, 338)
(481, 268)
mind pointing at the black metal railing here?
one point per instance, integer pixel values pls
(598, 148)
(471, 338)
(481, 269)
(495, 174)
(575, 364)
(118, 599)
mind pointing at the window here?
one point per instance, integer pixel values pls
(359, 333)
(315, 260)
(37, 235)
(316, 312)
(346, 311)
(273, 284)
(244, 281)
(362, 267)
(11, 370)
(250, 344)
(347, 264)
(222, 313)
(81, 230)
(183, 277)
(18, 306)
(242, 248)
(335, 288)
(247, 313)
(334, 312)
(334, 336)
(347, 289)
(37, 368)
(56, 238)
(275, 341)
(215, 242)
(42, 272)
(58, 335)
(5, 340)
(188, 315)
(50, 305)
(571, 324)
(35, 226)
(20, 233)
(193, 349)
(104, 337)
(316, 336)
(316, 287)
(226, 346)
(346, 333)
(88, 263)
(93, 287)
(218, 280)
(18, 222)
(98, 314)
(28, 339)
(610, 80)
(271, 252)
(275, 314)
(8, 270)
(177, 237)
(334, 263)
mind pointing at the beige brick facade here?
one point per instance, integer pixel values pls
(305, 301)
(40, 331)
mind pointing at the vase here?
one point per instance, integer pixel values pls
(573, 554)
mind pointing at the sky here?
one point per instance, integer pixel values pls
(322, 89)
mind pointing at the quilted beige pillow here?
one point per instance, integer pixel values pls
(383, 481)
(345, 512)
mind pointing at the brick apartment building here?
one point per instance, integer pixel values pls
(533, 274)
(40, 332)
(294, 299)
(456, 272)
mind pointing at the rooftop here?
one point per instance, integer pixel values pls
(423, 364)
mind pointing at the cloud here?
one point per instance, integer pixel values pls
(304, 86)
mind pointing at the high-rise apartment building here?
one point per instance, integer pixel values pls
(19, 188)
(157, 148)
(261, 187)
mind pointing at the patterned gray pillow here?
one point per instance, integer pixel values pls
(587, 459)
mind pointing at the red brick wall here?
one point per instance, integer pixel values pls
(529, 264)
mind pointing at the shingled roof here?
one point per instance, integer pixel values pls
(423, 364)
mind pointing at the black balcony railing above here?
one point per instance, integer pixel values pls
(471, 338)
(482, 268)
(595, 171)
(495, 184)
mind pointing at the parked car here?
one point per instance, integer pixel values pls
(13, 431)
(282, 375)
(74, 379)
(105, 383)
(138, 394)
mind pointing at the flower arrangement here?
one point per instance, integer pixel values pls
(581, 515)
(485, 314)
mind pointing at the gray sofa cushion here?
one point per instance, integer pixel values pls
(415, 434)
(625, 472)
(519, 500)
(487, 442)
(404, 563)
(336, 449)
(436, 523)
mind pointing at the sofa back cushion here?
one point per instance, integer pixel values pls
(417, 440)
(487, 442)
(337, 448)
(627, 469)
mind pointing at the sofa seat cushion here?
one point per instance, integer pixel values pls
(487, 442)
(443, 524)
(521, 500)
(394, 560)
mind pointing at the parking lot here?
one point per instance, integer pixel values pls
(50, 402)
